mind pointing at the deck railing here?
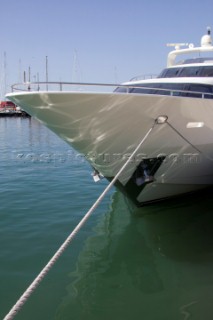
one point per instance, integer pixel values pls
(63, 86)
(105, 87)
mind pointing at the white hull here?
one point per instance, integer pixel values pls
(107, 127)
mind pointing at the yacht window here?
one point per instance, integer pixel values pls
(145, 90)
(169, 87)
(199, 89)
(162, 74)
(189, 72)
(121, 89)
(175, 89)
(207, 71)
(166, 88)
(204, 71)
(169, 73)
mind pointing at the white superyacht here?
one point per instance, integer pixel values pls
(106, 126)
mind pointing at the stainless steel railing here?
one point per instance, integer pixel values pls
(62, 86)
(106, 87)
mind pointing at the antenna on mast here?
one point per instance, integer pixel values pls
(4, 84)
(76, 71)
(47, 72)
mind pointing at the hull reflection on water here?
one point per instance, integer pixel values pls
(155, 263)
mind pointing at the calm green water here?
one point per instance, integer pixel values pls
(153, 263)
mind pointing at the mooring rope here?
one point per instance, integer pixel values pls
(184, 138)
(21, 301)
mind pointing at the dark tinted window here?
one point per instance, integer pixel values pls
(165, 88)
(170, 87)
(200, 71)
(199, 88)
(207, 71)
(175, 89)
(147, 90)
(189, 72)
(169, 73)
(121, 89)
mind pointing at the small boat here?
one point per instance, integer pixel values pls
(9, 109)
(107, 125)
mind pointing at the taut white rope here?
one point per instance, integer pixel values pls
(20, 302)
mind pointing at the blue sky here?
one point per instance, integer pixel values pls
(109, 40)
